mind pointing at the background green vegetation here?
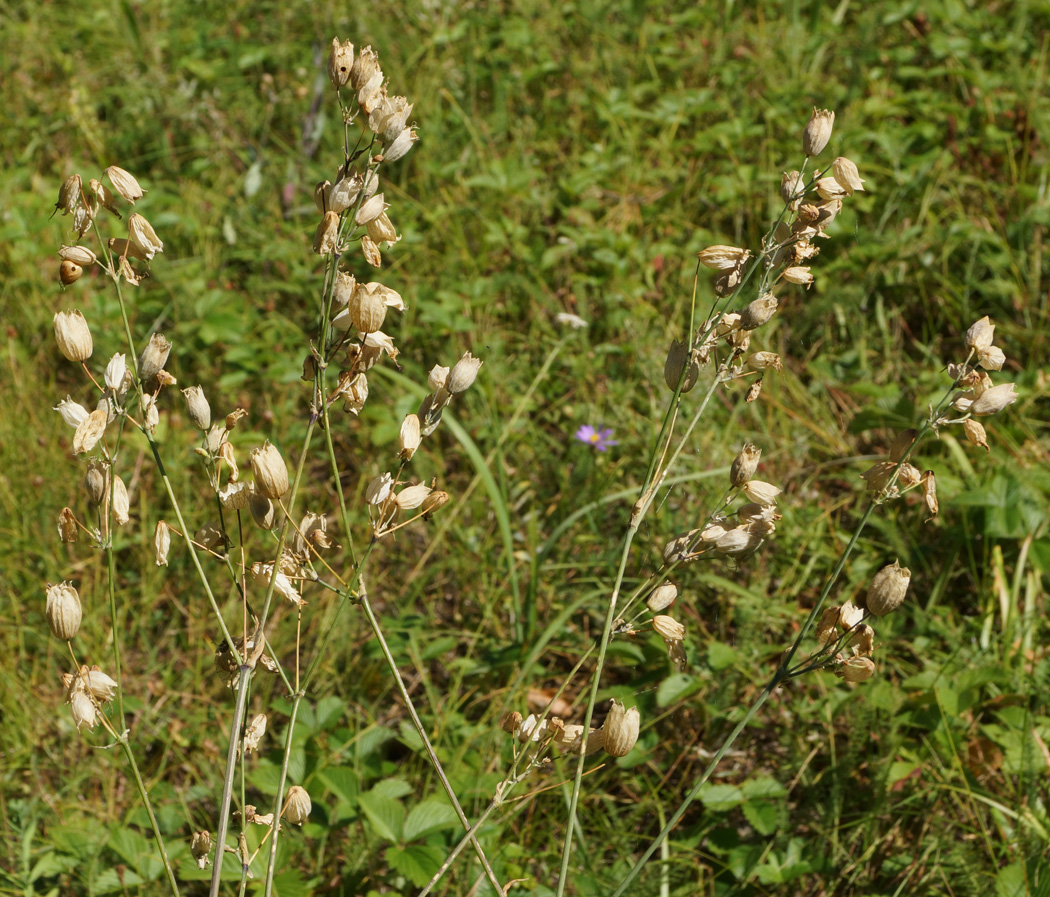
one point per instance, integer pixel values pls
(574, 157)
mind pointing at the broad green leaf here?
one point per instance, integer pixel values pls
(417, 862)
(431, 815)
(385, 815)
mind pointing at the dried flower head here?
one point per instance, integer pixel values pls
(463, 374)
(721, 257)
(142, 236)
(817, 132)
(887, 590)
(326, 238)
(662, 597)
(270, 471)
(297, 806)
(994, 400)
(200, 847)
(69, 195)
(975, 433)
(980, 334)
(744, 465)
(63, 610)
(154, 356)
(254, 732)
(124, 183)
(845, 172)
(197, 407)
(73, 335)
(409, 437)
(856, 669)
(621, 729)
(340, 63)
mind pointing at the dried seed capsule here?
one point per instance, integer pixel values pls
(791, 186)
(154, 356)
(818, 132)
(370, 210)
(980, 334)
(887, 590)
(621, 729)
(81, 255)
(929, 493)
(297, 807)
(856, 669)
(124, 183)
(63, 610)
(382, 230)
(121, 504)
(412, 497)
(95, 481)
(263, 511)
(83, 710)
(662, 597)
(721, 257)
(161, 543)
(200, 847)
(69, 194)
(744, 465)
(799, 274)
(409, 437)
(434, 502)
(994, 400)
(254, 732)
(67, 525)
(143, 237)
(827, 624)
(73, 335)
(401, 145)
(908, 475)
(668, 628)
(73, 413)
(90, 431)
(365, 67)
(367, 308)
(761, 361)
(463, 374)
(323, 196)
(326, 238)
(758, 312)
(197, 407)
(975, 433)
(762, 493)
(270, 471)
(845, 172)
(992, 358)
(340, 63)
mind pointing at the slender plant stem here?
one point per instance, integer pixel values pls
(227, 790)
(418, 723)
(125, 746)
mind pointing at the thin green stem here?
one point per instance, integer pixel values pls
(418, 723)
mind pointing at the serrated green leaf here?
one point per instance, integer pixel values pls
(392, 787)
(385, 815)
(431, 815)
(341, 781)
(418, 862)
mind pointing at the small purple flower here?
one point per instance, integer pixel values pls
(599, 438)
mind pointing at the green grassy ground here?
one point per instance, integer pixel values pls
(573, 158)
